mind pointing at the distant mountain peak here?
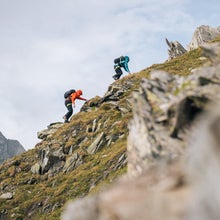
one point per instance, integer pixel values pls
(9, 148)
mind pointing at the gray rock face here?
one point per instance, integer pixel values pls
(49, 161)
(202, 35)
(9, 148)
(49, 131)
(97, 144)
(161, 117)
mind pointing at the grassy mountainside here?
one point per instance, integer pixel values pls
(42, 196)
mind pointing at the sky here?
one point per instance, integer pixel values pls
(50, 46)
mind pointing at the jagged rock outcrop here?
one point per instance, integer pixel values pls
(51, 129)
(9, 148)
(175, 49)
(166, 133)
(111, 97)
(97, 144)
(202, 35)
(51, 161)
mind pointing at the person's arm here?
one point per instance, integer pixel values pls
(126, 67)
(81, 98)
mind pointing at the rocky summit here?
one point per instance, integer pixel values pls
(147, 149)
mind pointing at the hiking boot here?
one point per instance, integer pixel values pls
(65, 119)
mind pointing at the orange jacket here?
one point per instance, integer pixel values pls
(76, 95)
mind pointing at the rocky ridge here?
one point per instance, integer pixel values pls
(201, 36)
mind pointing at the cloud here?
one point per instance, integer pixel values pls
(49, 46)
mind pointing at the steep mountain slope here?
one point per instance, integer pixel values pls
(75, 160)
(81, 157)
(173, 151)
(9, 148)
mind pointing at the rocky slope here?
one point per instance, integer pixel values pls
(173, 152)
(138, 128)
(9, 148)
(72, 160)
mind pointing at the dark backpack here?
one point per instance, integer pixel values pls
(68, 93)
(118, 60)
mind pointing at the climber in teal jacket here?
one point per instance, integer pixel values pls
(121, 62)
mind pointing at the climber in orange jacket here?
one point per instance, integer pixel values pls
(69, 101)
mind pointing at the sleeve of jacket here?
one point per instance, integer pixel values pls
(126, 67)
(81, 98)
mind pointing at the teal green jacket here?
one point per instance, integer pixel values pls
(124, 64)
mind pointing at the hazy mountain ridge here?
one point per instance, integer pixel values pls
(77, 159)
(9, 148)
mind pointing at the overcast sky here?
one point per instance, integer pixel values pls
(49, 46)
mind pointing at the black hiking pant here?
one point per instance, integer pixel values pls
(118, 72)
(69, 107)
